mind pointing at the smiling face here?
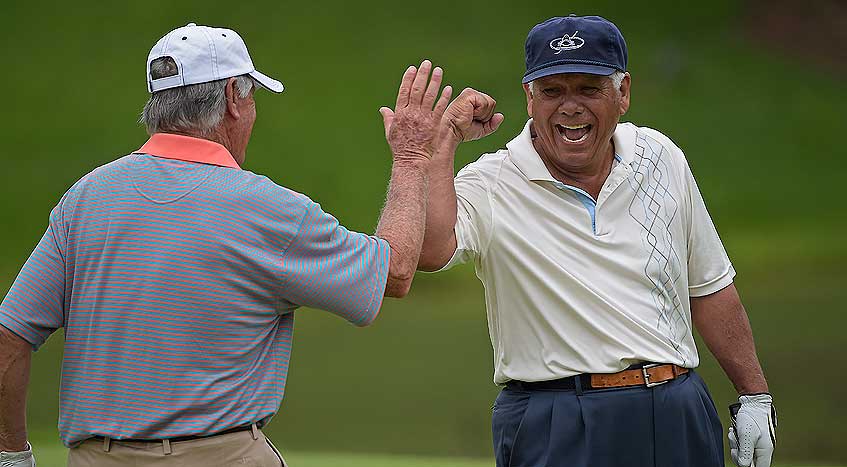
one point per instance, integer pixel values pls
(574, 116)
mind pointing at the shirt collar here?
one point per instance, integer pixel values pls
(528, 161)
(189, 149)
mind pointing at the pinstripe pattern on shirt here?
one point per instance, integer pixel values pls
(176, 282)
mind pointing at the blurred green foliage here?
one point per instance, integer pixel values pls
(759, 128)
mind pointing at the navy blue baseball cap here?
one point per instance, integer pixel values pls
(574, 44)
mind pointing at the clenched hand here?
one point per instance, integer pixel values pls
(471, 116)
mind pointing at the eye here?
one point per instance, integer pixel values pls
(590, 90)
(551, 92)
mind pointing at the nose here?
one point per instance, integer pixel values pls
(570, 106)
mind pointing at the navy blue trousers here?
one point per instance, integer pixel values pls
(671, 425)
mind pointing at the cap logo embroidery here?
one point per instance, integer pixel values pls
(566, 42)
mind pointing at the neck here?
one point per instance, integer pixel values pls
(589, 177)
(221, 138)
(218, 135)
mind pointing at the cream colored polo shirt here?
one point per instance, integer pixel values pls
(573, 286)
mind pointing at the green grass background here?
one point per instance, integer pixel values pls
(56, 455)
(762, 135)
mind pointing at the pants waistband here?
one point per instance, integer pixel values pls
(166, 442)
(634, 376)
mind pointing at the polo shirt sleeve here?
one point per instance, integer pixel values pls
(329, 267)
(34, 307)
(709, 267)
(473, 217)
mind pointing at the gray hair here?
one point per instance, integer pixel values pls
(196, 109)
(616, 77)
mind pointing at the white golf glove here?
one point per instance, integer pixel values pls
(17, 458)
(752, 434)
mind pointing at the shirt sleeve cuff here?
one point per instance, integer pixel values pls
(384, 257)
(22, 330)
(715, 285)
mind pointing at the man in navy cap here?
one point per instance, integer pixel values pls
(598, 259)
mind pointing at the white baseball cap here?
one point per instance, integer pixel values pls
(204, 54)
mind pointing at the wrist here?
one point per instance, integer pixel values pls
(20, 446)
(16, 456)
(412, 153)
(753, 389)
(763, 398)
(449, 142)
(411, 163)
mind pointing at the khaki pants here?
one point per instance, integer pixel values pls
(240, 449)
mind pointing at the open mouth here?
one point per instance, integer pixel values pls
(574, 133)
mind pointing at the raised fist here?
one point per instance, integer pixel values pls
(470, 116)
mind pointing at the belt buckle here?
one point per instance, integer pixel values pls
(647, 381)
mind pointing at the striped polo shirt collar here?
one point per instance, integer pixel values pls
(189, 149)
(527, 160)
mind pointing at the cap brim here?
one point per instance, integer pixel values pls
(267, 82)
(569, 68)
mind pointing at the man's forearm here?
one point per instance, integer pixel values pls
(439, 241)
(15, 358)
(412, 130)
(721, 320)
(402, 223)
(471, 116)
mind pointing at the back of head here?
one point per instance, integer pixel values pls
(194, 109)
(187, 73)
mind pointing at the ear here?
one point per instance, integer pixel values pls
(528, 99)
(625, 87)
(231, 99)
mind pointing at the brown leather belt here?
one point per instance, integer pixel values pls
(648, 375)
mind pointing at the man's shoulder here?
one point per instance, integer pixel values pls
(642, 141)
(651, 135)
(102, 174)
(658, 137)
(259, 191)
(488, 167)
(242, 187)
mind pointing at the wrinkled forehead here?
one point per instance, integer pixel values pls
(572, 78)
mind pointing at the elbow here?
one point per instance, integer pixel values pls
(430, 265)
(431, 262)
(366, 320)
(398, 286)
(401, 272)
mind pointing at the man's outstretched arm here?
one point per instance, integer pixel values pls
(471, 116)
(15, 358)
(412, 133)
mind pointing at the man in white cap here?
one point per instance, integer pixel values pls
(175, 273)
(598, 259)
